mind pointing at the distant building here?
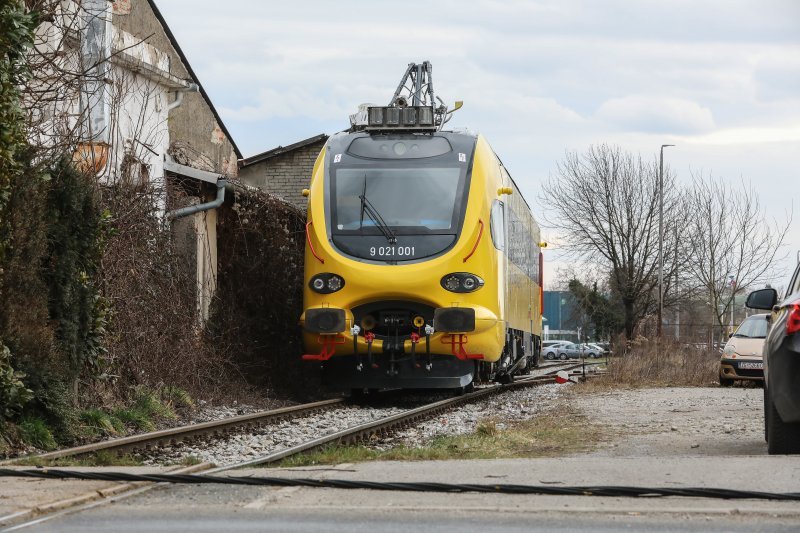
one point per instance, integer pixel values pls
(561, 316)
(284, 171)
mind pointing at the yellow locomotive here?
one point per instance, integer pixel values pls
(422, 262)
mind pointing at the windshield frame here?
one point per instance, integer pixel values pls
(395, 164)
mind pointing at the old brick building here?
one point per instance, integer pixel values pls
(284, 171)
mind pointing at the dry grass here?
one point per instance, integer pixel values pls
(549, 435)
(646, 364)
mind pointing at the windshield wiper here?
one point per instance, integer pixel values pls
(369, 209)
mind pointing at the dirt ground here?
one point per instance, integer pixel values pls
(663, 422)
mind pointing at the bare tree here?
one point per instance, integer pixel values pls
(604, 203)
(733, 244)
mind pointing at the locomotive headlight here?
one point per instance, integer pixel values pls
(451, 283)
(326, 283)
(335, 283)
(461, 282)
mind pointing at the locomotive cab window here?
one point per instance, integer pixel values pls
(417, 200)
(498, 225)
(398, 198)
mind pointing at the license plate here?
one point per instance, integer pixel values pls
(751, 366)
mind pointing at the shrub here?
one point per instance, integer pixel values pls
(35, 432)
(13, 392)
(97, 422)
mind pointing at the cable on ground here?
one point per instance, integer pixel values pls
(621, 491)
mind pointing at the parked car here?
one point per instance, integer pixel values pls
(741, 357)
(569, 350)
(557, 349)
(549, 343)
(781, 366)
(601, 352)
(588, 350)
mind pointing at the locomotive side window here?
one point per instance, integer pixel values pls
(498, 225)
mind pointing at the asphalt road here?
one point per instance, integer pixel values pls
(244, 508)
(200, 510)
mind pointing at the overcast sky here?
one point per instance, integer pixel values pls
(719, 79)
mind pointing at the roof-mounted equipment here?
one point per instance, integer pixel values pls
(412, 108)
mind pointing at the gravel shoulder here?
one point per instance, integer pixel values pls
(668, 422)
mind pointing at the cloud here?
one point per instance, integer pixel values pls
(749, 136)
(649, 114)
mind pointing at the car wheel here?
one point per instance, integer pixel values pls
(550, 356)
(592, 356)
(783, 438)
(562, 356)
(725, 382)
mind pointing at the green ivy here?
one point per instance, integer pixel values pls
(13, 392)
(73, 236)
(16, 36)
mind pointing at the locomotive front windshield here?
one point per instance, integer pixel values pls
(409, 200)
(394, 198)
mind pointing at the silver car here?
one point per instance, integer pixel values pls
(558, 350)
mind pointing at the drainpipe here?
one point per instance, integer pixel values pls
(191, 88)
(192, 209)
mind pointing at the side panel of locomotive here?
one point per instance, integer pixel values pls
(524, 287)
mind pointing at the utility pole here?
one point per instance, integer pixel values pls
(677, 307)
(661, 237)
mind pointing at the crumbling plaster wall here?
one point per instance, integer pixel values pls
(192, 123)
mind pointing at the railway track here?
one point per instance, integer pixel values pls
(361, 432)
(383, 426)
(147, 442)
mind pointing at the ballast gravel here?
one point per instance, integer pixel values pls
(511, 406)
(268, 439)
(518, 404)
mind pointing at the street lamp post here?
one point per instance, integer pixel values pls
(661, 237)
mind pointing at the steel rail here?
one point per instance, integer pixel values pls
(172, 435)
(384, 425)
(150, 440)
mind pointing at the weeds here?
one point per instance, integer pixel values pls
(98, 423)
(176, 398)
(191, 460)
(648, 364)
(543, 436)
(148, 402)
(147, 408)
(35, 432)
(101, 458)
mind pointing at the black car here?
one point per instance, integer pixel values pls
(781, 366)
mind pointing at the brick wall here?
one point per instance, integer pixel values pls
(284, 175)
